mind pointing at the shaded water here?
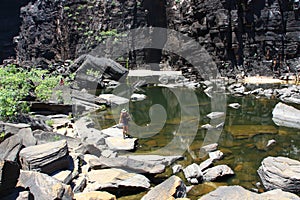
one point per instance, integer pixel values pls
(243, 138)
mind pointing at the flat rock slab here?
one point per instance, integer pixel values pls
(113, 132)
(127, 164)
(155, 159)
(44, 137)
(13, 128)
(217, 172)
(238, 192)
(120, 144)
(288, 116)
(172, 187)
(111, 99)
(248, 131)
(280, 173)
(39, 156)
(44, 187)
(114, 178)
(145, 73)
(95, 195)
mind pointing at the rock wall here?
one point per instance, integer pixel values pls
(10, 22)
(255, 36)
(58, 30)
(249, 33)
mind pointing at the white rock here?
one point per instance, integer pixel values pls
(215, 115)
(234, 105)
(138, 97)
(216, 155)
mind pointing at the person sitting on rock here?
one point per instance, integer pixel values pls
(124, 119)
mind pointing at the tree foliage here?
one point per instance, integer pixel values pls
(16, 84)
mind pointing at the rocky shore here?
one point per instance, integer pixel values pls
(71, 159)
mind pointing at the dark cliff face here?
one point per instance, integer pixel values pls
(10, 24)
(237, 33)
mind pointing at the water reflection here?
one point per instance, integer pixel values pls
(243, 140)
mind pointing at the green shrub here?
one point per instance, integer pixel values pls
(49, 122)
(15, 85)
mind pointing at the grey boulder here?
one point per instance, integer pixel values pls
(288, 116)
(46, 158)
(44, 187)
(217, 172)
(280, 173)
(171, 188)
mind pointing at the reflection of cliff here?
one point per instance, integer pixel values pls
(253, 111)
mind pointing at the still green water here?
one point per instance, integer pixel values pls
(242, 139)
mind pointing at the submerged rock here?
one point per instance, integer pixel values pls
(155, 159)
(234, 105)
(238, 192)
(215, 115)
(173, 187)
(288, 116)
(280, 173)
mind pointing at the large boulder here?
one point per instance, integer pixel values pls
(11, 146)
(280, 173)
(114, 178)
(44, 187)
(126, 164)
(173, 187)
(238, 192)
(288, 116)
(9, 174)
(47, 158)
(92, 70)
